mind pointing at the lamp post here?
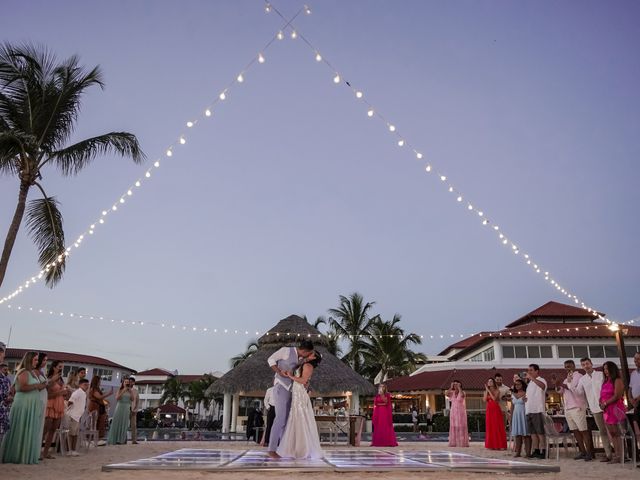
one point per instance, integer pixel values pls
(622, 354)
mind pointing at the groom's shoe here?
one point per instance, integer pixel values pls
(274, 455)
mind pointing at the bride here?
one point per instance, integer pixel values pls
(300, 439)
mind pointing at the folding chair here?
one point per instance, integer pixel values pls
(628, 441)
(88, 430)
(554, 438)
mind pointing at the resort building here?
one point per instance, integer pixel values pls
(110, 372)
(547, 336)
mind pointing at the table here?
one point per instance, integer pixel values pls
(356, 423)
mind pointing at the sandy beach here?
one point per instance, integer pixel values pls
(90, 466)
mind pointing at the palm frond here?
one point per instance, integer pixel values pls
(44, 224)
(72, 159)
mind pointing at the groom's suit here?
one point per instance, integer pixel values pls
(287, 360)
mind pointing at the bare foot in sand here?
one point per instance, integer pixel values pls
(274, 455)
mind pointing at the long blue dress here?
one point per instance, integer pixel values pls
(518, 418)
(120, 421)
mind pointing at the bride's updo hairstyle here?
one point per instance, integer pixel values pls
(316, 361)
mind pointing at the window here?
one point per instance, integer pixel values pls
(103, 373)
(521, 351)
(565, 351)
(157, 389)
(596, 351)
(610, 351)
(580, 351)
(508, 352)
(533, 351)
(546, 351)
(487, 355)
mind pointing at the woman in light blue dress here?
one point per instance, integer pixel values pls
(519, 428)
(122, 415)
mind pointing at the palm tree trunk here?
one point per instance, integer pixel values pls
(12, 234)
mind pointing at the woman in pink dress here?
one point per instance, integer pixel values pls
(382, 419)
(612, 405)
(458, 431)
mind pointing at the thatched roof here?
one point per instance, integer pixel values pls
(254, 374)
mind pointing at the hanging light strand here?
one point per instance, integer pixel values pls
(402, 142)
(146, 176)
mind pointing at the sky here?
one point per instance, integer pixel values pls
(289, 195)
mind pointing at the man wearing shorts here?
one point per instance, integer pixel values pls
(535, 408)
(75, 410)
(575, 411)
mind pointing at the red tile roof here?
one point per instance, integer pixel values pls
(555, 310)
(68, 357)
(156, 372)
(170, 408)
(471, 379)
(189, 378)
(465, 343)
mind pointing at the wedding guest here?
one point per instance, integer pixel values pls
(519, 429)
(382, 419)
(535, 409)
(75, 409)
(135, 405)
(495, 433)
(634, 392)
(5, 394)
(590, 385)
(98, 403)
(44, 395)
(22, 443)
(254, 422)
(458, 430)
(612, 405)
(122, 415)
(505, 397)
(271, 414)
(575, 411)
(72, 380)
(415, 419)
(82, 373)
(54, 412)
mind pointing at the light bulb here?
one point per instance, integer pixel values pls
(443, 178)
(470, 207)
(223, 96)
(129, 192)
(359, 94)
(148, 174)
(156, 163)
(450, 189)
(169, 153)
(480, 213)
(428, 168)
(485, 221)
(459, 199)
(189, 124)
(260, 58)
(392, 128)
(101, 220)
(307, 10)
(400, 143)
(104, 212)
(240, 78)
(137, 183)
(267, 8)
(114, 208)
(336, 79)
(182, 141)
(207, 112)
(418, 155)
(294, 35)
(280, 35)
(370, 112)
(318, 57)
(122, 200)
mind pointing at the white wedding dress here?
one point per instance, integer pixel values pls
(300, 439)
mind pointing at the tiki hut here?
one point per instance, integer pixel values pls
(333, 378)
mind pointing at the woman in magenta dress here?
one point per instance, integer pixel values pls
(612, 405)
(496, 435)
(382, 419)
(458, 431)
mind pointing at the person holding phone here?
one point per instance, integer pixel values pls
(495, 433)
(122, 415)
(458, 429)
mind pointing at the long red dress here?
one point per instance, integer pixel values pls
(496, 435)
(382, 419)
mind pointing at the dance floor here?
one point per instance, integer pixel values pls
(335, 460)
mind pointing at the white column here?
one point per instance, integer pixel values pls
(226, 412)
(355, 403)
(234, 412)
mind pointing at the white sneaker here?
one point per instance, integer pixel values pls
(102, 443)
(73, 453)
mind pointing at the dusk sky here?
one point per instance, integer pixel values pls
(289, 195)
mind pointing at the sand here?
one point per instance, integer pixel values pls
(88, 466)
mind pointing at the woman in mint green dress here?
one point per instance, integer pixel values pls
(22, 443)
(122, 415)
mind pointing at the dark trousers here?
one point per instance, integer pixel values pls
(271, 414)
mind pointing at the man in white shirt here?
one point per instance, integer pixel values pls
(75, 409)
(535, 408)
(634, 391)
(135, 402)
(282, 362)
(270, 412)
(590, 385)
(575, 411)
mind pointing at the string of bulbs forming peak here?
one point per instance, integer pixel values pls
(146, 176)
(371, 112)
(245, 331)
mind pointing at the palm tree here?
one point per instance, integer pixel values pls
(332, 337)
(173, 391)
(388, 351)
(39, 108)
(252, 347)
(195, 394)
(351, 320)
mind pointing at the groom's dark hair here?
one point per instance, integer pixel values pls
(306, 345)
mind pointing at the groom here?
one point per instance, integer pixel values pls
(284, 360)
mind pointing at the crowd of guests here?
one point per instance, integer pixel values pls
(521, 409)
(39, 404)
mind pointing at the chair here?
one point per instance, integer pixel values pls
(88, 430)
(328, 427)
(61, 437)
(554, 438)
(628, 438)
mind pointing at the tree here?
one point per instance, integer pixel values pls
(173, 391)
(388, 352)
(333, 344)
(39, 108)
(252, 347)
(351, 320)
